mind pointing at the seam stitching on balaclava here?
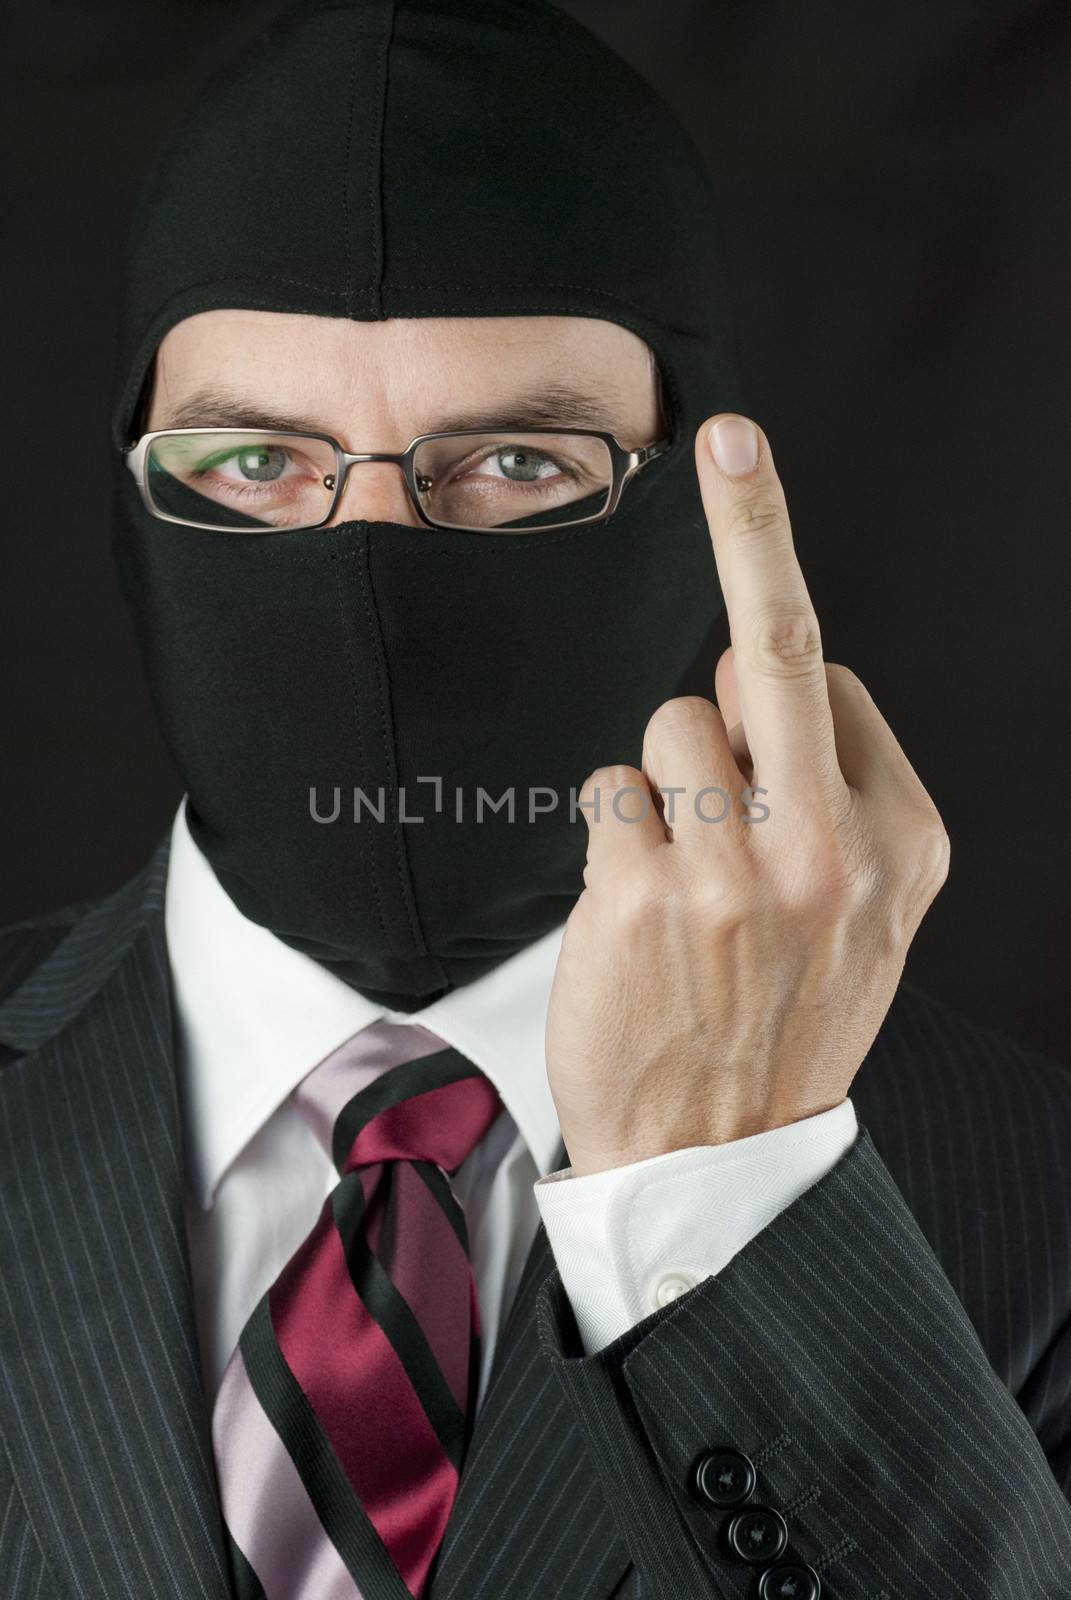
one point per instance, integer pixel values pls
(468, 283)
(368, 853)
(385, 707)
(440, 283)
(347, 211)
(375, 162)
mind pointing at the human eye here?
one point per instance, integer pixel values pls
(277, 480)
(496, 478)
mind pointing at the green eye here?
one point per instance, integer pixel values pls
(523, 466)
(256, 463)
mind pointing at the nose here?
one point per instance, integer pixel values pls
(375, 492)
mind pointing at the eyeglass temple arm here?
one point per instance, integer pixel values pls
(135, 460)
(647, 452)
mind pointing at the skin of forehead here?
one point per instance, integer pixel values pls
(395, 376)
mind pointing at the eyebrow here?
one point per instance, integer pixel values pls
(216, 406)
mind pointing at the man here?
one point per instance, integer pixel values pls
(488, 1150)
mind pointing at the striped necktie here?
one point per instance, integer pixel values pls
(345, 1411)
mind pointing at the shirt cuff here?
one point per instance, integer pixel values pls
(631, 1239)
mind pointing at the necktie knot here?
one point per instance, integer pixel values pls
(425, 1101)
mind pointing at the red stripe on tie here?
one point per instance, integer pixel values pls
(441, 1125)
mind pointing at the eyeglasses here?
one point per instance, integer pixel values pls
(246, 480)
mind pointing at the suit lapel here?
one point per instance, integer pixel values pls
(102, 1406)
(104, 1416)
(530, 1518)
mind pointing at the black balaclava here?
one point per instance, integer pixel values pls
(369, 159)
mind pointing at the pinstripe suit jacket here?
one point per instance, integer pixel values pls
(893, 1351)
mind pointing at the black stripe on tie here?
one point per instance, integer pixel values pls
(346, 1522)
(439, 1184)
(247, 1585)
(386, 1304)
(475, 1361)
(398, 1083)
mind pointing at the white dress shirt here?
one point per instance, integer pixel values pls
(254, 1016)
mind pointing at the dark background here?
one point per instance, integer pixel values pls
(894, 186)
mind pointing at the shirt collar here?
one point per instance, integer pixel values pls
(253, 1016)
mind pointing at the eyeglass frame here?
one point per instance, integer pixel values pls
(624, 464)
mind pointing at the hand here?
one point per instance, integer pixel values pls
(719, 978)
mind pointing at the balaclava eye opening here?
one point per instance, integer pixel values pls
(369, 159)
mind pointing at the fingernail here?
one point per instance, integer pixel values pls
(734, 444)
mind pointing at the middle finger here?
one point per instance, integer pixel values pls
(777, 647)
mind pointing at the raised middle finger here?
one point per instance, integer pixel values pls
(777, 647)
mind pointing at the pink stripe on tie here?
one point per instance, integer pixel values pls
(265, 1506)
(353, 1066)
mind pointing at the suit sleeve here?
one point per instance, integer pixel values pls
(622, 1237)
(832, 1356)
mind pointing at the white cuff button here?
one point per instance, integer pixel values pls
(669, 1286)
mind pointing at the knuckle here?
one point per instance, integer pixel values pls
(934, 852)
(786, 641)
(724, 900)
(588, 787)
(845, 677)
(637, 902)
(686, 715)
(616, 793)
(849, 895)
(609, 779)
(756, 516)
